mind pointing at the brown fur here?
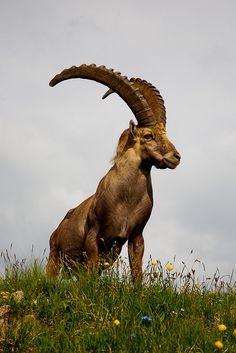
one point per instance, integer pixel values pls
(120, 207)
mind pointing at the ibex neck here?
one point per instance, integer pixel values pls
(132, 182)
(131, 166)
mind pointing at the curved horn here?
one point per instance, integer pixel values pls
(120, 84)
(153, 98)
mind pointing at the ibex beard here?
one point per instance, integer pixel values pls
(122, 204)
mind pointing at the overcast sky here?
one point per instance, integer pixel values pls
(56, 143)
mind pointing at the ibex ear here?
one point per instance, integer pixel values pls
(132, 128)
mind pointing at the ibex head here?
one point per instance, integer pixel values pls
(148, 138)
(151, 145)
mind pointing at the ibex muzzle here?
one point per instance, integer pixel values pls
(121, 206)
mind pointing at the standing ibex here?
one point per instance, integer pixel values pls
(122, 203)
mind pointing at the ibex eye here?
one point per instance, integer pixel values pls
(148, 137)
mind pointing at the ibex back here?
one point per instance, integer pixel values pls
(122, 203)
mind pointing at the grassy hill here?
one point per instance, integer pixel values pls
(169, 312)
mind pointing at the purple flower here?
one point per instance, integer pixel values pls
(133, 335)
(146, 319)
(212, 323)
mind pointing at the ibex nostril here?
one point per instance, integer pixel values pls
(177, 156)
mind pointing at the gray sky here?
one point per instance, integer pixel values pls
(56, 143)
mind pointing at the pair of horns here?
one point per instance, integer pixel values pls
(142, 98)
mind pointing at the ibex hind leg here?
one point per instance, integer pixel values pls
(53, 265)
(135, 251)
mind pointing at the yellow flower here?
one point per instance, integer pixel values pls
(106, 264)
(154, 263)
(116, 323)
(169, 267)
(222, 327)
(35, 302)
(5, 295)
(234, 332)
(219, 344)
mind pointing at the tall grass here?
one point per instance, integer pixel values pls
(171, 311)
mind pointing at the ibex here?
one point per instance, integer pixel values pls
(121, 206)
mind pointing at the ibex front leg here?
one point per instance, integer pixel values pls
(91, 249)
(136, 250)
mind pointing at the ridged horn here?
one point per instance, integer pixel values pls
(126, 89)
(153, 98)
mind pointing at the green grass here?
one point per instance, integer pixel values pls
(169, 312)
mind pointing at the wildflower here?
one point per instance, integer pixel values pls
(116, 323)
(133, 335)
(35, 301)
(222, 327)
(4, 295)
(234, 332)
(212, 323)
(146, 319)
(174, 313)
(154, 263)
(219, 344)
(106, 264)
(169, 267)
(182, 310)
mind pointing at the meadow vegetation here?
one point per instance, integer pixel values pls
(171, 311)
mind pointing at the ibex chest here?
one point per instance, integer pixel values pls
(124, 203)
(124, 215)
